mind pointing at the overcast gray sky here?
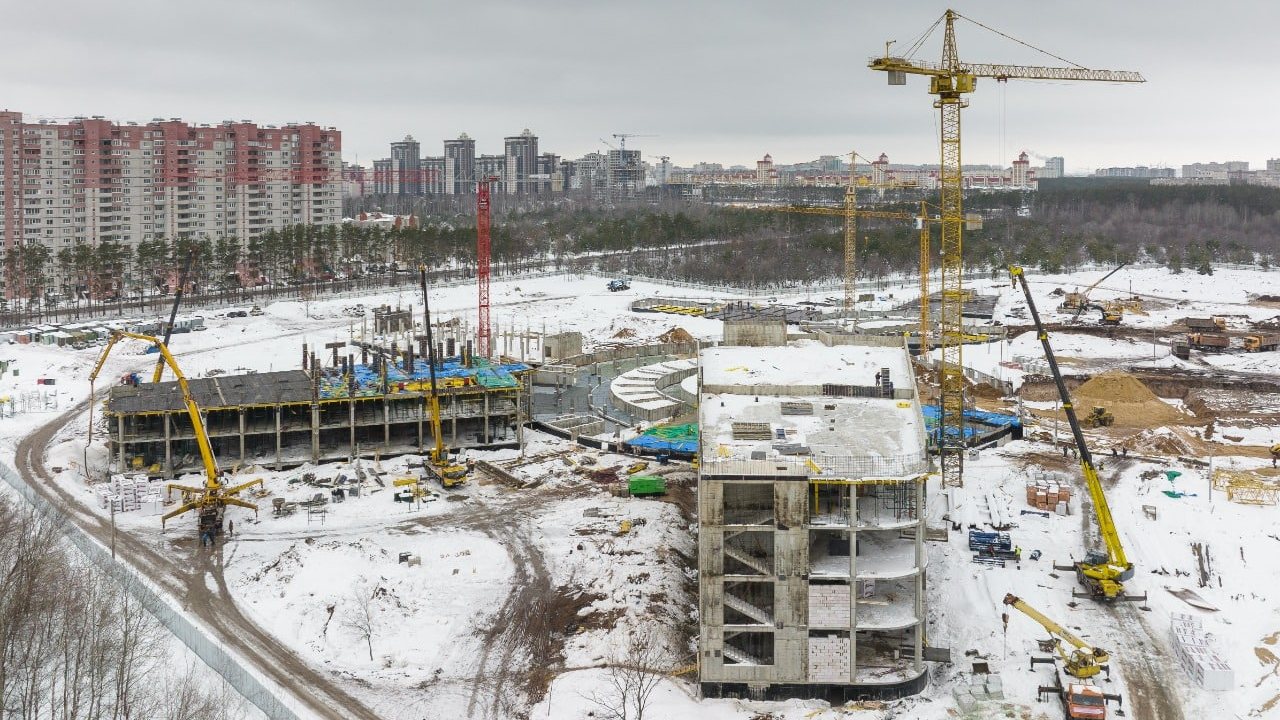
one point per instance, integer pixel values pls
(718, 81)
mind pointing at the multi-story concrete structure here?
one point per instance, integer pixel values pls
(521, 153)
(406, 167)
(1054, 167)
(811, 501)
(460, 166)
(1021, 171)
(493, 166)
(1141, 171)
(92, 180)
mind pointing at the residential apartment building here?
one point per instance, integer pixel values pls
(521, 163)
(460, 166)
(406, 167)
(93, 180)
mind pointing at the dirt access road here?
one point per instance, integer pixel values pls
(181, 569)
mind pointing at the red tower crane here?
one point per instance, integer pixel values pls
(483, 342)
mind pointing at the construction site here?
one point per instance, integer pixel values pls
(1023, 495)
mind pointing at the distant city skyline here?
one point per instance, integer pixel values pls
(713, 81)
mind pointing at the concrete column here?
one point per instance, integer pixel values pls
(278, 421)
(422, 411)
(486, 418)
(121, 460)
(453, 403)
(242, 457)
(386, 424)
(920, 558)
(351, 425)
(315, 432)
(168, 446)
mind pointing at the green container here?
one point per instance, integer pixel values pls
(641, 485)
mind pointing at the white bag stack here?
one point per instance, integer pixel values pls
(1195, 649)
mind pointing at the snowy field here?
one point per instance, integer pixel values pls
(410, 639)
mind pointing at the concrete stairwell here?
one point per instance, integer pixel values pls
(759, 615)
(740, 656)
(761, 566)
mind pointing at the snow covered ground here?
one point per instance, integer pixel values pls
(483, 545)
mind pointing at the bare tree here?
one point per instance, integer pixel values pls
(634, 672)
(361, 618)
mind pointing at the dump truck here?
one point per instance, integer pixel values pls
(1209, 324)
(1208, 341)
(1258, 342)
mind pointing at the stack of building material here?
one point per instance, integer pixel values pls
(130, 492)
(1049, 494)
(829, 606)
(829, 659)
(1196, 651)
(981, 689)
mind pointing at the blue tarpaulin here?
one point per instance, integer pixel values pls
(932, 414)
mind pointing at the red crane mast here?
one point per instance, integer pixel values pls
(483, 341)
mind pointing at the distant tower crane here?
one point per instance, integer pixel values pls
(622, 138)
(950, 80)
(483, 266)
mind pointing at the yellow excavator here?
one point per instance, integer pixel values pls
(450, 474)
(1102, 572)
(1079, 301)
(1083, 661)
(212, 498)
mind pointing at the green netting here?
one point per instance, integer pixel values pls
(688, 431)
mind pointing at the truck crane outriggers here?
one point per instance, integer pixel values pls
(1103, 572)
(212, 498)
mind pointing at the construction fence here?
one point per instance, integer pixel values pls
(211, 651)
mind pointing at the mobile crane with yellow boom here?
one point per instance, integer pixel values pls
(1102, 572)
(449, 473)
(212, 498)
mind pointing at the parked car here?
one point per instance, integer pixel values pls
(237, 314)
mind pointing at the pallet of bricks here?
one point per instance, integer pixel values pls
(1050, 492)
(1196, 651)
(131, 493)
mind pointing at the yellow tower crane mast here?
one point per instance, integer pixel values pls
(949, 82)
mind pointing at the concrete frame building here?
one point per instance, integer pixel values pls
(290, 417)
(811, 500)
(93, 180)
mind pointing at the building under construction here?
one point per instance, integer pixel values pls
(811, 501)
(317, 413)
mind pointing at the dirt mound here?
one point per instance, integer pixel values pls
(625, 333)
(1131, 402)
(675, 335)
(1162, 441)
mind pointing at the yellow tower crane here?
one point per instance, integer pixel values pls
(950, 81)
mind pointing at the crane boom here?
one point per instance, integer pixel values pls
(213, 495)
(1104, 574)
(1081, 299)
(950, 82)
(1002, 72)
(1084, 661)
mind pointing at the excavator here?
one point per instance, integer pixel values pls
(1080, 700)
(1102, 572)
(212, 498)
(1079, 301)
(450, 474)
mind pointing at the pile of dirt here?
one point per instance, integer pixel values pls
(1131, 402)
(625, 333)
(1162, 441)
(675, 335)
